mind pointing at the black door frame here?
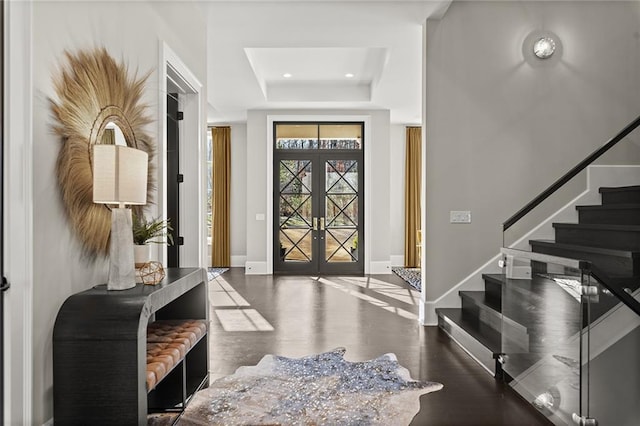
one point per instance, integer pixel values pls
(319, 159)
(173, 180)
(4, 285)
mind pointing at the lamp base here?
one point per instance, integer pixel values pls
(121, 265)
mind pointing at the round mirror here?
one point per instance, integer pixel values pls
(97, 103)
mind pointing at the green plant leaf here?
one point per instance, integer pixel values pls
(155, 230)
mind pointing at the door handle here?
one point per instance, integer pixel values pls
(315, 223)
(322, 223)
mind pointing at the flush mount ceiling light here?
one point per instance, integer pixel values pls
(544, 47)
(349, 75)
(287, 75)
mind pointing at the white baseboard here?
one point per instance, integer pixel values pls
(238, 261)
(397, 260)
(451, 299)
(427, 314)
(255, 268)
(379, 267)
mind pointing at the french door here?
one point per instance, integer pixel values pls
(318, 200)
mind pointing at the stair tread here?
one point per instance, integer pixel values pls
(525, 299)
(609, 207)
(619, 188)
(487, 336)
(480, 299)
(587, 249)
(597, 226)
(617, 279)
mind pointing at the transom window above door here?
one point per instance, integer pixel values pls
(324, 136)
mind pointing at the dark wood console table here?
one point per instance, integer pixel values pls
(99, 350)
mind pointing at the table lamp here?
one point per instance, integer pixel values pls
(120, 177)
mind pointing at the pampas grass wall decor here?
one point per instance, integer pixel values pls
(93, 90)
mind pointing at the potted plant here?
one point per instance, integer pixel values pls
(146, 232)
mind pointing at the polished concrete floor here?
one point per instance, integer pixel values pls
(295, 316)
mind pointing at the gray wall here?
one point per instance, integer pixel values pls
(130, 31)
(238, 194)
(256, 175)
(397, 166)
(499, 130)
(615, 382)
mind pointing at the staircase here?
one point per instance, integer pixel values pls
(510, 313)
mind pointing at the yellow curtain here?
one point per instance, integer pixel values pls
(413, 168)
(221, 197)
(109, 137)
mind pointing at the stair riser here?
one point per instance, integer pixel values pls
(621, 240)
(610, 217)
(472, 311)
(517, 333)
(621, 197)
(469, 344)
(608, 264)
(493, 291)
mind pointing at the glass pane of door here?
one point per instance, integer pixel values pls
(295, 210)
(340, 136)
(296, 136)
(341, 211)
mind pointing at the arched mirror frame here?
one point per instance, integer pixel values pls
(94, 90)
(111, 114)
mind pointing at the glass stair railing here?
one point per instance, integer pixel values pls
(570, 333)
(570, 343)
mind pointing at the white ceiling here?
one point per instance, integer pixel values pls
(252, 44)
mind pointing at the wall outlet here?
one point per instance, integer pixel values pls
(456, 216)
(260, 216)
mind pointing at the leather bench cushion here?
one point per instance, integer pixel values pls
(167, 344)
(158, 369)
(151, 380)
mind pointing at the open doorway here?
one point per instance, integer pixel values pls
(174, 177)
(182, 163)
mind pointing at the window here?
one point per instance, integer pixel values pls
(305, 136)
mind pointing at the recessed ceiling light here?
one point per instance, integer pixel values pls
(287, 75)
(349, 75)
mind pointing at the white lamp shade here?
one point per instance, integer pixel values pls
(119, 175)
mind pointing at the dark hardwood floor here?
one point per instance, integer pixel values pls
(295, 316)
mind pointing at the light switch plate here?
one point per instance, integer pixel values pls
(460, 216)
(260, 216)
